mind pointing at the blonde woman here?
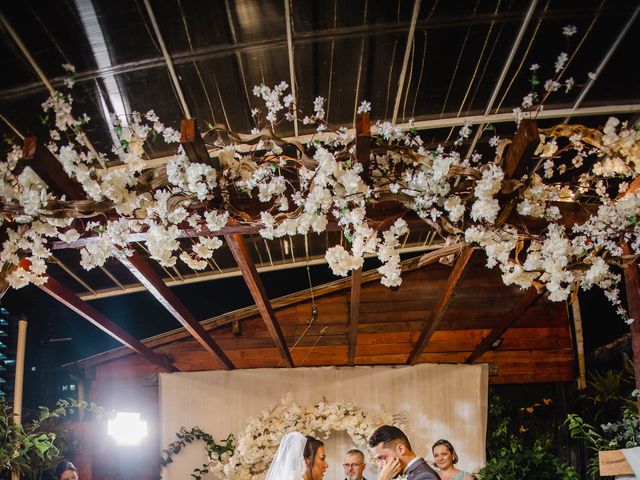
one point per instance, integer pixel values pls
(446, 457)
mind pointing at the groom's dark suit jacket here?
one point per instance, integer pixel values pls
(421, 471)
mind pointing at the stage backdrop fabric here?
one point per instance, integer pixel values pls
(441, 401)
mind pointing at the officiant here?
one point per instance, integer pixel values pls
(354, 465)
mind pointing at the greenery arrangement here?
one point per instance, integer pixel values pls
(214, 450)
(616, 435)
(35, 446)
(518, 450)
(608, 413)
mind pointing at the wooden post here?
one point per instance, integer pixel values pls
(577, 328)
(632, 285)
(19, 378)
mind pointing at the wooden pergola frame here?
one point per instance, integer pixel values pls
(519, 152)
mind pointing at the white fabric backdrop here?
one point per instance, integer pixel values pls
(442, 401)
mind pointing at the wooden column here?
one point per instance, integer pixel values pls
(579, 341)
(632, 285)
(354, 313)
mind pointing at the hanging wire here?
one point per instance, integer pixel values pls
(312, 320)
(314, 345)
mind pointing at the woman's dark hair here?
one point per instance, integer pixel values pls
(310, 452)
(447, 444)
(63, 466)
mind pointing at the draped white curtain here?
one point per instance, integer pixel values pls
(442, 401)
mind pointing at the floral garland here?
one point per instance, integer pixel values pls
(258, 443)
(301, 186)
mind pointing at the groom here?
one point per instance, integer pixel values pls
(391, 448)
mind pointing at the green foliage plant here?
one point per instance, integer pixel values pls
(517, 452)
(214, 450)
(33, 447)
(616, 435)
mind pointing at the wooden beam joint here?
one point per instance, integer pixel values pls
(44, 163)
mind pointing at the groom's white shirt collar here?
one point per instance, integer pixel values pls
(415, 459)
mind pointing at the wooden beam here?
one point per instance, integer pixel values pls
(193, 144)
(632, 287)
(363, 153)
(363, 143)
(354, 317)
(82, 308)
(521, 149)
(144, 272)
(256, 288)
(509, 319)
(443, 302)
(44, 163)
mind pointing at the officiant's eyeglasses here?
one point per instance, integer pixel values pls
(351, 465)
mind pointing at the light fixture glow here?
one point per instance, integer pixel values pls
(127, 429)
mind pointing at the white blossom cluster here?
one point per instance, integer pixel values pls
(327, 181)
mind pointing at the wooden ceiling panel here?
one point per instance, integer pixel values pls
(537, 345)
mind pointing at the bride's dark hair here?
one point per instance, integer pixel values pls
(310, 451)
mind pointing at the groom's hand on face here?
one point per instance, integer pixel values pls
(389, 468)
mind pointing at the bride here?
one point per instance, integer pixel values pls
(298, 457)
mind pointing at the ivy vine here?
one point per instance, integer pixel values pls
(214, 450)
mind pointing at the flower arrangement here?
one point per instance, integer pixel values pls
(300, 187)
(257, 445)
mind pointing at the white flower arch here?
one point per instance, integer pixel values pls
(258, 443)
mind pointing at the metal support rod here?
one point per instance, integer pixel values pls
(292, 69)
(449, 121)
(167, 58)
(505, 70)
(605, 60)
(405, 62)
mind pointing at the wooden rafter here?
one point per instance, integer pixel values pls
(193, 144)
(363, 152)
(144, 272)
(632, 287)
(354, 316)
(256, 288)
(432, 324)
(509, 319)
(82, 308)
(516, 160)
(38, 157)
(521, 149)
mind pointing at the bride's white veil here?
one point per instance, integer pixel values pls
(288, 463)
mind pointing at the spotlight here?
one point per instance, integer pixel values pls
(127, 429)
